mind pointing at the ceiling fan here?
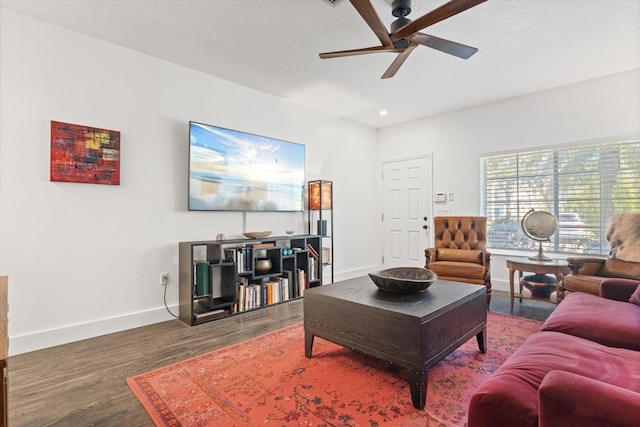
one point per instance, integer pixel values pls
(405, 34)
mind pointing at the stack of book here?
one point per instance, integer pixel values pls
(254, 295)
(241, 256)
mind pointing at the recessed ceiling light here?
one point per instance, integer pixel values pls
(383, 112)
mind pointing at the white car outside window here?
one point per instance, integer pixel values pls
(571, 225)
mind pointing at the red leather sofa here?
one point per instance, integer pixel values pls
(582, 368)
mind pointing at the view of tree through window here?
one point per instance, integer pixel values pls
(582, 186)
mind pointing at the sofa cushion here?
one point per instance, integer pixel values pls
(608, 322)
(459, 255)
(463, 270)
(635, 297)
(510, 396)
(570, 400)
(582, 283)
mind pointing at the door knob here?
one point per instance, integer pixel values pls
(425, 226)
(425, 218)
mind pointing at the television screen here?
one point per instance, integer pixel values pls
(237, 171)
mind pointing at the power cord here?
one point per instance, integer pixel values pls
(165, 301)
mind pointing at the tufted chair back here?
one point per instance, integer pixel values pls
(460, 232)
(459, 254)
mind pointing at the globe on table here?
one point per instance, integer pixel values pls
(539, 226)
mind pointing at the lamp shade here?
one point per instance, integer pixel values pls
(320, 195)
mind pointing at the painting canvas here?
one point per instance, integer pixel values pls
(84, 154)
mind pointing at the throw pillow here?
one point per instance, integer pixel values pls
(624, 237)
(635, 298)
(460, 255)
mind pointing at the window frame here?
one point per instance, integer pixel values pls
(555, 195)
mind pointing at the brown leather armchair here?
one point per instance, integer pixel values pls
(587, 274)
(459, 254)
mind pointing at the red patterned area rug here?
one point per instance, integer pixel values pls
(268, 381)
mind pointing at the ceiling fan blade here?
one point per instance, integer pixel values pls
(395, 65)
(363, 51)
(445, 11)
(447, 46)
(368, 13)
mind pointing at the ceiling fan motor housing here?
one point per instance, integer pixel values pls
(398, 23)
(401, 8)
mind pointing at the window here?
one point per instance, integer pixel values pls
(582, 185)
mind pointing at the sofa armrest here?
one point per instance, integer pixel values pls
(570, 400)
(430, 256)
(618, 289)
(486, 261)
(586, 266)
(486, 258)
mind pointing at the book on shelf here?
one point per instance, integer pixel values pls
(287, 275)
(230, 254)
(302, 281)
(270, 297)
(263, 245)
(202, 278)
(208, 315)
(313, 269)
(241, 294)
(277, 291)
(256, 295)
(326, 255)
(313, 251)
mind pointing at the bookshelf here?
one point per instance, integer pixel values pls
(320, 214)
(228, 277)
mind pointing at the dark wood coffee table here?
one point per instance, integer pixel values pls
(414, 331)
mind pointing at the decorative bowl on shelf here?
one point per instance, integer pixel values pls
(290, 232)
(404, 280)
(263, 265)
(256, 234)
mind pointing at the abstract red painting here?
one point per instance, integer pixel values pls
(84, 154)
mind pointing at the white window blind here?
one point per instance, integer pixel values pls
(583, 186)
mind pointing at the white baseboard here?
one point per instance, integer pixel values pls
(500, 285)
(53, 337)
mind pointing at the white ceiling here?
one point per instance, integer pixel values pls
(272, 46)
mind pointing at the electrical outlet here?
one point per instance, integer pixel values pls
(164, 279)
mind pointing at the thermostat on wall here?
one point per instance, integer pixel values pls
(441, 197)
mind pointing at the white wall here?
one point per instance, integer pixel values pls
(84, 260)
(604, 107)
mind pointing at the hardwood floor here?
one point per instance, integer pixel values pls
(83, 383)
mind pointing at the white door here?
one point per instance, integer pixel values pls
(407, 211)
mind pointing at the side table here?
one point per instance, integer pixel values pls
(557, 267)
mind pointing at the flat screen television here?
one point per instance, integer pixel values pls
(231, 170)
